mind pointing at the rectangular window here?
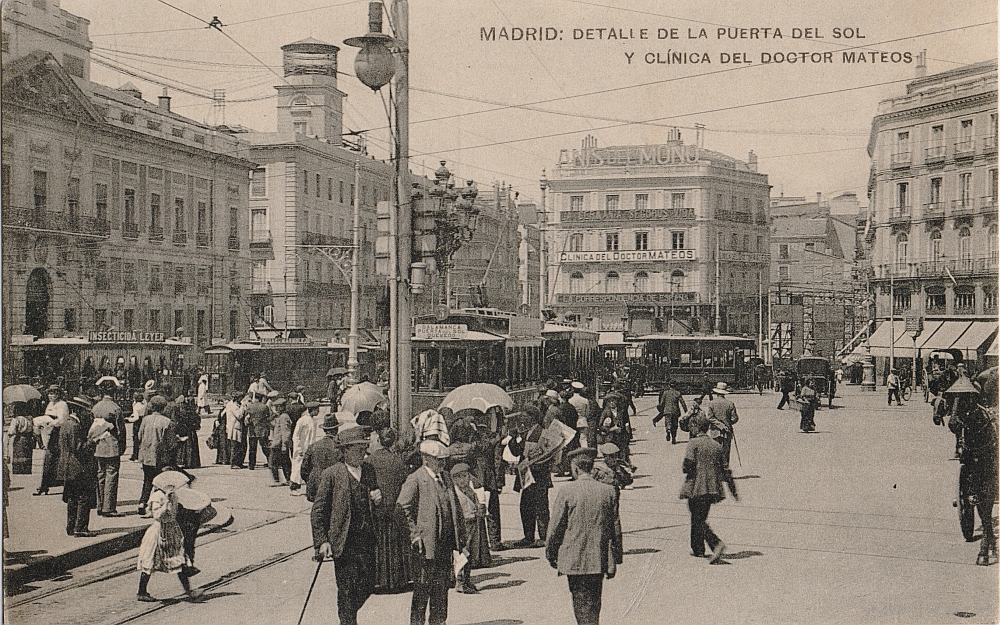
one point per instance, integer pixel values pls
(676, 200)
(901, 300)
(329, 189)
(783, 251)
(69, 319)
(341, 191)
(810, 247)
(73, 198)
(130, 207)
(902, 143)
(305, 182)
(935, 197)
(101, 282)
(179, 285)
(902, 196)
(128, 319)
(40, 188)
(258, 225)
(611, 242)
(178, 321)
(129, 278)
(154, 320)
(100, 318)
(178, 215)
(965, 189)
(611, 203)
(641, 202)
(155, 285)
(234, 324)
(783, 273)
(155, 227)
(258, 277)
(202, 217)
(576, 202)
(352, 195)
(258, 182)
(317, 185)
(642, 240)
(937, 136)
(234, 224)
(993, 185)
(965, 134)
(300, 128)
(677, 240)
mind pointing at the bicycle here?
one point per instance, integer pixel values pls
(906, 392)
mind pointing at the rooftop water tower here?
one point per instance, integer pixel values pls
(309, 102)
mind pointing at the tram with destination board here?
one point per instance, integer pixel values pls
(476, 345)
(686, 359)
(572, 353)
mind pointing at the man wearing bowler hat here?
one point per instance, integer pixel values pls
(77, 468)
(343, 524)
(321, 454)
(722, 416)
(437, 528)
(585, 539)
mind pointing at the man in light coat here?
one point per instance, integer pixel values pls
(437, 528)
(722, 416)
(585, 541)
(109, 445)
(157, 446)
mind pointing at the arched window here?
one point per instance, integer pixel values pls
(641, 282)
(993, 244)
(300, 100)
(576, 282)
(965, 247)
(576, 242)
(902, 247)
(611, 282)
(936, 246)
(677, 281)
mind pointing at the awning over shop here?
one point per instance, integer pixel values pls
(972, 339)
(946, 335)
(879, 341)
(611, 338)
(994, 349)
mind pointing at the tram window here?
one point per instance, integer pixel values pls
(453, 368)
(429, 369)
(685, 360)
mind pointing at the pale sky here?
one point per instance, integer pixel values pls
(512, 105)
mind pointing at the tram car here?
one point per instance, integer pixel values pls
(476, 345)
(571, 352)
(686, 359)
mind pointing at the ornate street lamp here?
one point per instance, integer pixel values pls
(374, 64)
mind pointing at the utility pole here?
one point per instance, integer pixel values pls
(399, 385)
(760, 314)
(892, 319)
(543, 265)
(352, 337)
(718, 279)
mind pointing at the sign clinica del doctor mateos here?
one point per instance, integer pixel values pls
(627, 256)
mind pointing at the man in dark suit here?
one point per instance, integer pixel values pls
(585, 543)
(77, 468)
(534, 504)
(343, 524)
(320, 455)
(436, 529)
(258, 429)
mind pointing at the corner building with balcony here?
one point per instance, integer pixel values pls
(933, 220)
(637, 234)
(301, 205)
(118, 214)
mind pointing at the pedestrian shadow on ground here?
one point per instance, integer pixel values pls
(504, 621)
(514, 583)
(639, 476)
(640, 487)
(639, 552)
(746, 477)
(740, 555)
(485, 577)
(658, 527)
(14, 489)
(128, 502)
(504, 560)
(22, 557)
(218, 499)
(115, 530)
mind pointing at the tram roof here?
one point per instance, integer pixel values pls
(693, 337)
(79, 340)
(247, 347)
(552, 328)
(470, 335)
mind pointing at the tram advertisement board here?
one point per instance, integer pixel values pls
(112, 336)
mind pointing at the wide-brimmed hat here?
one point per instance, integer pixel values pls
(278, 403)
(330, 422)
(149, 385)
(352, 436)
(586, 452)
(55, 388)
(578, 386)
(273, 394)
(721, 388)
(81, 401)
(608, 449)
(962, 385)
(434, 449)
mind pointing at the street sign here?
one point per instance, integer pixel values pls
(914, 326)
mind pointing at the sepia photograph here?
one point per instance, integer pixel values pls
(499, 312)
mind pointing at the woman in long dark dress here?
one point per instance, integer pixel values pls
(21, 435)
(188, 423)
(50, 462)
(392, 546)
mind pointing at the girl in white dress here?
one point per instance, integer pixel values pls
(162, 546)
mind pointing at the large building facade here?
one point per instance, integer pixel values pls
(301, 205)
(118, 214)
(932, 228)
(669, 238)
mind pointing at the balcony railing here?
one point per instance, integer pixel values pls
(60, 222)
(260, 238)
(234, 243)
(963, 206)
(942, 268)
(180, 236)
(156, 233)
(901, 159)
(316, 238)
(130, 231)
(987, 204)
(899, 214)
(965, 149)
(734, 216)
(934, 154)
(989, 144)
(934, 209)
(201, 239)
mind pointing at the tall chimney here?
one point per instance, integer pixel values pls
(165, 101)
(922, 63)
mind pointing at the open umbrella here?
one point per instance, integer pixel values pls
(336, 371)
(477, 396)
(360, 397)
(170, 480)
(20, 392)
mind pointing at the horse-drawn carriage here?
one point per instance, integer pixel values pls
(817, 372)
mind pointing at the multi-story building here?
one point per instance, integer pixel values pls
(637, 235)
(301, 205)
(529, 257)
(812, 295)
(118, 214)
(485, 270)
(932, 226)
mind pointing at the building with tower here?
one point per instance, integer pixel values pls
(656, 238)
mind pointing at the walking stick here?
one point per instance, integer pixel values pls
(311, 586)
(740, 460)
